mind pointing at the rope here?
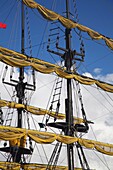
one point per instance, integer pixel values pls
(82, 50)
(29, 33)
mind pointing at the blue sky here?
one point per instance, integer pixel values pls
(95, 14)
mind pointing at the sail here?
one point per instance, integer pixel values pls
(15, 59)
(31, 166)
(52, 16)
(12, 134)
(9, 165)
(37, 111)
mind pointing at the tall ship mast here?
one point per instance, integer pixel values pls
(44, 121)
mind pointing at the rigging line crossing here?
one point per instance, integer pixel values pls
(57, 157)
(49, 98)
(102, 160)
(55, 103)
(95, 41)
(11, 10)
(14, 30)
(85, 126)
(82, 157)
(86, 66)
(9, 114)
(82, 50)
(52, 156)
(106, 98)
(95, 152)
(36, 143)
(54, 159)
(109, 96)
(96, 99)
(42, 39)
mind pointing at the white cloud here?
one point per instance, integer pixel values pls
(87, 74)
(106, 78)
(98, 110)
(97, 70)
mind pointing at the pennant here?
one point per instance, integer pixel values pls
(3, 25)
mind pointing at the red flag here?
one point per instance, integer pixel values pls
(2, 25)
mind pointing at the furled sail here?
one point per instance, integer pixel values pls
(15, 59)
(11, 134)
(30, 166)
(9, 165)
(50, 15)
(37, 111)
(44, 167)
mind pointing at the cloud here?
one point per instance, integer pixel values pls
(97, 70)
(96, 105)
(109, 120)
(106, 78)
(87, 74)
(99, 108)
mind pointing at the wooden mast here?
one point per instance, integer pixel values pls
(69, 107)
